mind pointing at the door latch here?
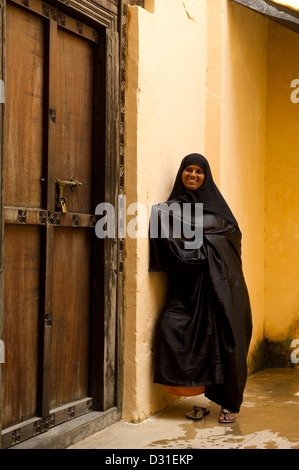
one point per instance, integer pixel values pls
(60, 198)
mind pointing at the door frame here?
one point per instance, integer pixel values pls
(110, 17)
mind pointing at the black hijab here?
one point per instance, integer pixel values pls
(207, 193)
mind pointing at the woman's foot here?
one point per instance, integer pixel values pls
(227, 416)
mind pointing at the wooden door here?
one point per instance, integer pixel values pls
(54, 167)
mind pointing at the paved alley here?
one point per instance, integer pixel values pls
(268, 419)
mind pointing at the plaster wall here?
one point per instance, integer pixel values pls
(281, 192)
(165, 120)
(211, 77)
(243, 141)
(259, 165)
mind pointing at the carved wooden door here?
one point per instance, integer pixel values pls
(52, 63)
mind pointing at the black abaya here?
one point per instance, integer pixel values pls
(203, 332)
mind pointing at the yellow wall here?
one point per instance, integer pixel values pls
(260, 163)
(243, 142)
(282, 195)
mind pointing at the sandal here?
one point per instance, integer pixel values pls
(198, 413)
(225, 413)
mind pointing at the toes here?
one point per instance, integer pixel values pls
(226, 416)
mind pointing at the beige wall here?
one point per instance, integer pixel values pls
(210, 77)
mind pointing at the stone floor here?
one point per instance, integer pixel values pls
(268, 419)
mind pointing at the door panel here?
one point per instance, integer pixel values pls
(74, 111)
(21, 303)
(70, 324)
(24, 108)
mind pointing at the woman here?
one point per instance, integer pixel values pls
(203, 332)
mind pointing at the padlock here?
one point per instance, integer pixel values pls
(63, 205)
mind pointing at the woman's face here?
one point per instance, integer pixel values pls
(193, 177)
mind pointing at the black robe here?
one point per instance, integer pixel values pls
(203, 333)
